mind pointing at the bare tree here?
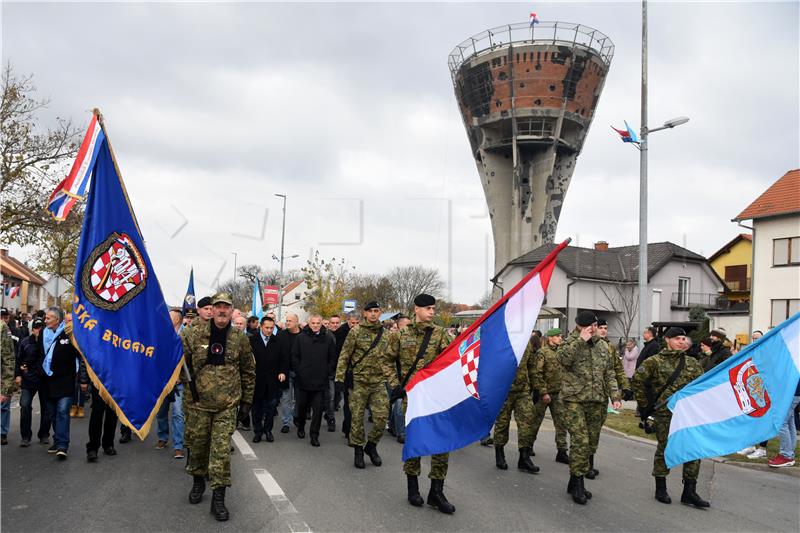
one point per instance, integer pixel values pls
(409, 281)
(368, 287)
(623, 301)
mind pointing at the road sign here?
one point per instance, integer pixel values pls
(349, 305)
(271, 295)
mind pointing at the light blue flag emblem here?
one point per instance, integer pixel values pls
(121, 323)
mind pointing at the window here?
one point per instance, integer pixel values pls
(736, 277)
(783, 309)
(683, 292)
(786, 251)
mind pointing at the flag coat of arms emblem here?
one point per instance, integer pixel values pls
(121, 323)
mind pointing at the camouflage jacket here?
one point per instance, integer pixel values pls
(368, 369)
(402, 346)
(219, 387)
(522, 380)
(654, 373)
(8, 360)
(547, 371)
(587, 370)
(619, 371)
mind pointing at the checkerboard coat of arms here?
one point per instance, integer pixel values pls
(470, 351)
(114, 273)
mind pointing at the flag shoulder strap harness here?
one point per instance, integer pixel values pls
(348, 375)
(652, 400)
(423, 347)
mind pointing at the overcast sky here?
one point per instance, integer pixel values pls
(349, 110)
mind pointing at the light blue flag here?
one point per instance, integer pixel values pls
(742, 401)
(258, 307)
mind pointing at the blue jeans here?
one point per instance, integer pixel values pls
(788, 432)
(287, 402)
(162, 418)
(5, 416)
(59, 412)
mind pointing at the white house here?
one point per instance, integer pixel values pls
(22, 287)
(775, 290)
(294, 298)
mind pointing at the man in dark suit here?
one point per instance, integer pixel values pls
(272, 367)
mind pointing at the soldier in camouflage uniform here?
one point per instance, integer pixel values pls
(587, 380)
(403, 347)
(222, 370)
(362, 354)
(8, 364)
(546, 381)
(520, 403)
(648, 380)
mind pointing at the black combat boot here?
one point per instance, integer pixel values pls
(690, 496)
(414, 497)
(661, 490)
(562, 457)
(198, 488)
(436, 497)
(371, 449)
(358, 460)
(525, 464)
(578, 492)
(593, 472)
(500, 458)
(218, 508)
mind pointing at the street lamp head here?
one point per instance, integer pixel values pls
(293, 256)
(676, 122)
(275, 257)
(284, 196)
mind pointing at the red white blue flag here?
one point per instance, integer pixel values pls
(454, 400)
(534, 19)
(76, 184)
(627, 135)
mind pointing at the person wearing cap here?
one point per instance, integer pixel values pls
(719, 352)
(587, 380)
(519, 402)
(406, 349)
(222, 370)
(362, 358)
(30, 377)
(546, 382)
(205, 311)
(649, 379)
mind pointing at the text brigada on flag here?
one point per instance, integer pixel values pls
(74, 186)
(189, 301)
(455, 399)
(121, 323)
(743, 400)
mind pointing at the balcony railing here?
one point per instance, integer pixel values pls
(738, 285)
(685, 300)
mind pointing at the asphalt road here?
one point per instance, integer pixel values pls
(290, 486)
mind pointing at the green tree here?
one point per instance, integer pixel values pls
(57, 250)
(328, 283)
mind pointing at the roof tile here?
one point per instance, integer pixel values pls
(782, 198)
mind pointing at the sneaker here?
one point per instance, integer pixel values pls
(61, 454)
(52, 449)
(179, 454)
(760, 453)
(25, 443)
(747, 451)
(285, 429)
(3, 440)
(160, 445)
(780, 461)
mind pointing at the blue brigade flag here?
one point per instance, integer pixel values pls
(121, 323)
(257, 308)
(189, 302)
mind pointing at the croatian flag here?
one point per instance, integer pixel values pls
(627, 135)
(454, 400)
(743, 400)
(534, 19)
(74, 186)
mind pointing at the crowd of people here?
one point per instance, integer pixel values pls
(247, 371)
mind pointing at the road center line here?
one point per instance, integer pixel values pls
(244, 448)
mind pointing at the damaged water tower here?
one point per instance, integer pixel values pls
(527, 96)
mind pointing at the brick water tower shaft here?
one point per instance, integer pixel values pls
(527, 97)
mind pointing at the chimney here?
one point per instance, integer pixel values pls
(4, 252)
(601, 246)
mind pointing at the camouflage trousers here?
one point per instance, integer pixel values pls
(439, 461)
(690, 470)
(557, 414)
(521, 404)
(374, 396)
(583, 421)
(208, 438)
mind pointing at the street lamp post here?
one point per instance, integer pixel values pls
(235, 259)
(280, 275)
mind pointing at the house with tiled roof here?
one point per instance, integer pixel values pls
(294, 299)
(775, 285)
(604, 280)
(22, 288)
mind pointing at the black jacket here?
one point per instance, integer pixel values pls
(62, 382)
(32, 356)
(719, 352)
(649, 349)
(314, 359)
(286, 340)
(269, 363)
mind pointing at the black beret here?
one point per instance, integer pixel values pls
(674, 332)
(37, 323)
(585, 318)
(424, 300)
(372, 305)
(204, 301)
(602, 322)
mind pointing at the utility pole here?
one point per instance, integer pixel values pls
(280, 275)
(235, 260)
(644, 313)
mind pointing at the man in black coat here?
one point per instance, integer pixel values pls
(272, 369)
(30, 377)
(314, 364)
(651, 345)
(286, 339)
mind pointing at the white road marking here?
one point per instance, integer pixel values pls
(276, 495)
